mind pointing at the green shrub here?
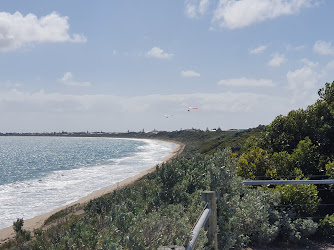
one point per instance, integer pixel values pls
(21, 234)
(326, 226)
(160, 210)
(254, 164)
(296, 231)
(302, 199)
(252, 220)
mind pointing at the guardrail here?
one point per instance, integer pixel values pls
(287, 182)
(207, 220)
(198, 226)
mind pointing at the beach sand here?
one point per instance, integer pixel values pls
(8, 233)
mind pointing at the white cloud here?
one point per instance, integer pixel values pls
(303, 82)
(196, 8)
(302, 79)
(233, 14)
(203, 6)
(40, 111)
(323, 48)
(246, 82)
(309, 63)
(55, 102)
(277, 60)
(67, 79)
(190, 73)
(156, 52)
(258, 50)
(191, 11)
(17, 31)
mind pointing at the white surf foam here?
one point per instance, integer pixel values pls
(28, 199)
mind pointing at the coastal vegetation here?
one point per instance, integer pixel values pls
(161, 208)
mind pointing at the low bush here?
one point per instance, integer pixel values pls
(161, 209)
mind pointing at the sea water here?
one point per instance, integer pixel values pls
(39, 174)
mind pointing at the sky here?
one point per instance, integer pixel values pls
(122, 65)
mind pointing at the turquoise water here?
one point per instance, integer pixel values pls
(39, 174)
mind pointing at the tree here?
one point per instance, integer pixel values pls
(288, 133)
(320, 120)
(285, 132)
(306, 157)
(330, 169)
(255, 163)
(284, 166)
(327, 93)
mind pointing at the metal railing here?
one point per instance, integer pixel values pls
(286, 182)
(207, 220)
(198, 226)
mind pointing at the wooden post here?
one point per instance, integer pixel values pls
(211, 224)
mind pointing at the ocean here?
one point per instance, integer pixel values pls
(40, 174)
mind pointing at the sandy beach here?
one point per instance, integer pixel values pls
(37, 222)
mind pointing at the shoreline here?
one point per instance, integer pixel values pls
(6, 234)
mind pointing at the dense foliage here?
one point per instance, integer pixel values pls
(161, 209)
(298, 144)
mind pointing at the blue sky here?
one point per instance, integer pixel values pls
(124, 65)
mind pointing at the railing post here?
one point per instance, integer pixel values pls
(211, 224)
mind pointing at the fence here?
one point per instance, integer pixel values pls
(207, 220)
(287, 182)
(208, 217)
(323, 208)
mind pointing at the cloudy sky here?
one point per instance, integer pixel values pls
(124, 65)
